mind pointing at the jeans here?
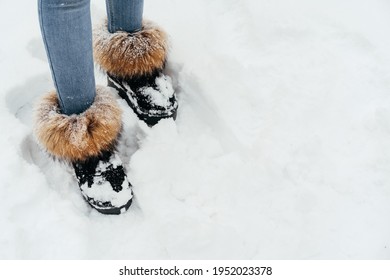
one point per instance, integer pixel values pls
(67, 35)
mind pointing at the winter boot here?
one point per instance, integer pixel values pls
(88, 141)
(134, 63)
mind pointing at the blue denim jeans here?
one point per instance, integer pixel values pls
(67, 35)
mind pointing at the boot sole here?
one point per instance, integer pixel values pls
(115, 211)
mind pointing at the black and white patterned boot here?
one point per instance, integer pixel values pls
(104, 184)
(134, 63)
(152, 98)
(87, 141)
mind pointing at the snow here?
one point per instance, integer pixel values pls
(162, 94)
(280, 150)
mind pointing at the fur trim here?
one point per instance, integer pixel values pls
(78, 137)
(126, 55)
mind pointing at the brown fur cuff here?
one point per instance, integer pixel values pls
(126, 55)
(78, 137)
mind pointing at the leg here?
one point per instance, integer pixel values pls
(88, 140)
(134, 61)
(124, 15)
(67, 35)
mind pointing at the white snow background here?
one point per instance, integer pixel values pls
(281, 147)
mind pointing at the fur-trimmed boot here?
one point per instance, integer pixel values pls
(134, 63)
(88, 141)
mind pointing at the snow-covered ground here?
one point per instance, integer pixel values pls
(281, 148)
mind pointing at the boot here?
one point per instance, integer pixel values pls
(87, 141)
(134, 63)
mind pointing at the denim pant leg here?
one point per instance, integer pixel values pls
(124, 15)
(67, 35)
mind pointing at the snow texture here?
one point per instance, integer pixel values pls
(162, 94)
(280, 150)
